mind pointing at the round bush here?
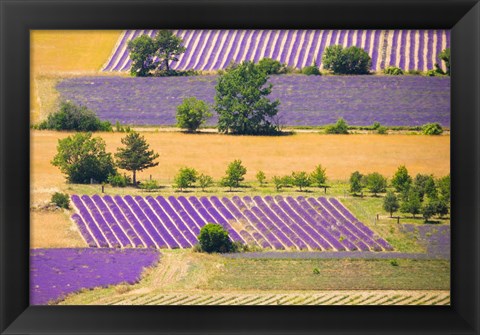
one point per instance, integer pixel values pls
(432, 129)
(311, 70)
(213, 238)
(62, 200)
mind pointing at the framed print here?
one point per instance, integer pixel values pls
(245, 167)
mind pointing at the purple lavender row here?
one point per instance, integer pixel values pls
(347, 226)
(251, 218)
(274, 223)
(393, 54)
(145, 222)
(219, 219)
(230, 218)
(125, 58)
(291, 223)
(169, 225)
(259, 239)
(292, 239)
(421, 49)
(162, 231)
(345, 244)
(124, 234)
(141, 232)
(122, 220)
(266, 243)
(359, 228)
(177, 220)
(82, 227)
(320, 242)
(117, 51)
(200, 209)
(90, 222)
(193, 213)
(184, 215)
(332, 242)
(109, 235)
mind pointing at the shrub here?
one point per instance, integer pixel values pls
(311, 70)
(192, 113)
(62, 200)
(394, 262)
(316, 271)
(351, 60)
(376, 125)
(205, 181)
(261, 177)
(185, 178)
(73, 117)
(431, 73)
(149, 185)
(214, 238)
(432, 129)
(341, 127)
(118, 180)
(393, 71)
(414, 72)
(382, 130)
(272, 66)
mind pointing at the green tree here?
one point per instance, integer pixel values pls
(319, 176)
(428, 209)
(135, 156)
(234, 175)
(443, 187)
(376, 183)
(301, 179)
(425, 185)
(341, 127)
(142, 52)
(214, 238)
(192, 113)
(444, 55)
(351, 60)
(356, 182)
(242, 103)
(205, 181)
(73, 117)
(83, 158)
(411, 202)
(271, 66)
(393, 71)
(185, 178)
(277, 181)
(401, 181)
(390, 203)
(168, 48)
(261, 177)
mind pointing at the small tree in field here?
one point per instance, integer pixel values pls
(261, 177)
(301, 179)
(356, 182)
(411, 202)
(401, 181)
(83, 158)
(376, 183)
(319, 176)
(341, 127)
(168, 48)
(192, 113)
(443, 187)
(142, 51)
(234, 175)
(278, 182)
(428, 209)
(135, 156)
(204, 181)
(390, 203)
(214, 238)
(185, 178)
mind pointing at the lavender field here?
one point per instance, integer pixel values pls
(215, 49)
(276, 223)
(55, 273)
(304, 100)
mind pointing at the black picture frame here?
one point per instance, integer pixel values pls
(17, 17)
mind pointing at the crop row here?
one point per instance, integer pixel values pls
(269, 222)
(215, 49)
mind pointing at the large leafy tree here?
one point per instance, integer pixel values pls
(357, 182)
(142, 52)
(135, 156)
(169, 47)
(83, 158)
(192, 113)
(242, 103)
(351, 60)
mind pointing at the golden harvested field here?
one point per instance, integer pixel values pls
(210, 153)
(64, 52)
